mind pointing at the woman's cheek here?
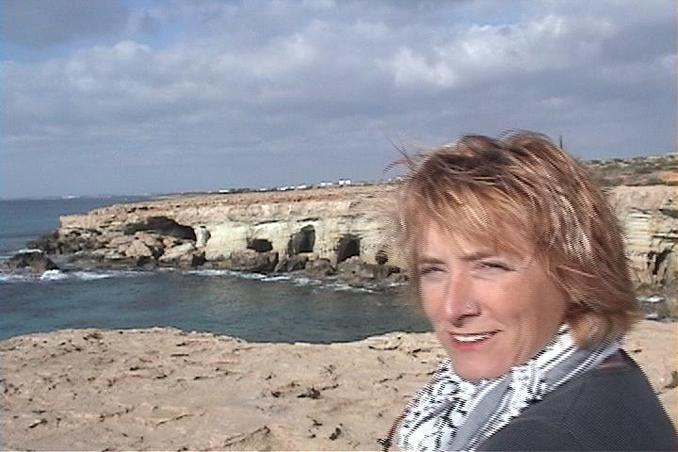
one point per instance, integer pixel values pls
(431, 299)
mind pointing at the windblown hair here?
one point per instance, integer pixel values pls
(523, 188)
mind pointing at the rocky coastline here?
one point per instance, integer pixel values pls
(327, 234)
(337, 233)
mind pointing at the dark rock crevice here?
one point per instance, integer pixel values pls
(348, 246)
(259, 245)
(302, 241)
(162, 225)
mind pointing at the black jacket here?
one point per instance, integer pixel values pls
(607, 408)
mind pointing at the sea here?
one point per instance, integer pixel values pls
(254, 307)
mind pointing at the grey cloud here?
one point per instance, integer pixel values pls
(265, 93)
(38, 23)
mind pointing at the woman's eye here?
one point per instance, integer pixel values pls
(429, 270)
(493, 266)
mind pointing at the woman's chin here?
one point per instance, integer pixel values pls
(475, 372)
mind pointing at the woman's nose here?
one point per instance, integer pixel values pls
(459, 299)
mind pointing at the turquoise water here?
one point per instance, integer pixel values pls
(253, 307)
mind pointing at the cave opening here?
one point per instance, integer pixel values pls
(348, 246)
(302, 241)
(658, 259)
(161, 225)
(259, 245)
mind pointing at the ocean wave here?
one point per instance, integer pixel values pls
(7, 255)
(85, 275)
(12, 277)
(276, 278)
(58, 275)
(28, 251)
(93, 276)
(343, 287)
(53, 275)
(236, 274)
(304, 281)
(245, 275)
(210, 272)
(299, 281)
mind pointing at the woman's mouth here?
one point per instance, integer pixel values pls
(471, 341)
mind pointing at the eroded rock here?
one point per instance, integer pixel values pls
(654, 308)
(162, 225)
(35, 262)
(292, 263)
(252, 261)
(320, 268)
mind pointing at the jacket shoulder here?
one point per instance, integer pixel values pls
(604, 409)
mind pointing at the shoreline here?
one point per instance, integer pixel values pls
(169, 389)
(338, 233)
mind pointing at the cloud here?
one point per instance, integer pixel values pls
(37, 23)
(276, 92)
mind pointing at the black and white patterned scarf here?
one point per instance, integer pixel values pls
(450, 413)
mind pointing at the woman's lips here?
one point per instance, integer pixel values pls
(471, 341)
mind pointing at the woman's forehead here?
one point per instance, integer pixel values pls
(432, 237)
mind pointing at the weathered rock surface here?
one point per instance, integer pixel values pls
(320, 268)
(293, 263)
(654, 308)
(162, 225)
(252, 261)
(163, 389)
(333, 225)
(35, 262)
(649, 218)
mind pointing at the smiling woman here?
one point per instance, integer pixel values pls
(490, 309)
(519, 264)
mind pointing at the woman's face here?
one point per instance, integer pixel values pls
(490, 310)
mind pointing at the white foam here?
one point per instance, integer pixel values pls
(343, 287)
(58, 275)
(6, 257)
(276, 278)
(28, 251)
(53, 275)
(257, 276)
(301, 281)
(92, 276)
(12, 277)
(210, 272)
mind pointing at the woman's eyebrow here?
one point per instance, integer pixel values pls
(470, 257)
(429, 260)
(478, 255)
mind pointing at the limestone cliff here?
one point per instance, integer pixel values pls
(334, 224)
(649, 218)
(266, 230)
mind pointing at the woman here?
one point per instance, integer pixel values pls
(519, 264)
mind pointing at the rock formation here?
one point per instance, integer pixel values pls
(33, 261)
(260, 232)
(288, 231)
(649, 218)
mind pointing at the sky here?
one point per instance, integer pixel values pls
(132, 97)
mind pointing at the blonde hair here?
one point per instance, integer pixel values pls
(522, 185)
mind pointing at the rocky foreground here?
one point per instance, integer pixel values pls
(164, 389)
